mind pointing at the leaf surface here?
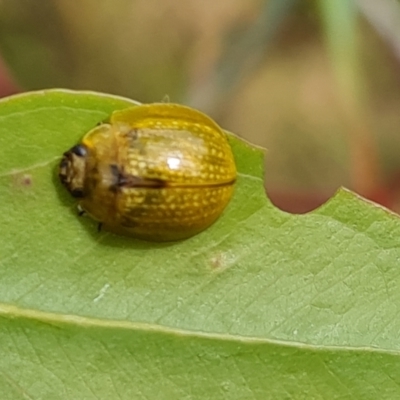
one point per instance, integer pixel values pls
(263, 304)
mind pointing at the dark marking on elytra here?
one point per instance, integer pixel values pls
(133, 134)
(122, 180)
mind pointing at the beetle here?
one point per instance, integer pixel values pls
(158, 172)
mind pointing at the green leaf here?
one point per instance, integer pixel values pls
(261, 305)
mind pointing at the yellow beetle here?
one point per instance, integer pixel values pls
(158, 172)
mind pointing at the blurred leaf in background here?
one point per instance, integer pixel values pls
(134, 48)
(316, 82)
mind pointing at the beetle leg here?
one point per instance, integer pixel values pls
(81, 211)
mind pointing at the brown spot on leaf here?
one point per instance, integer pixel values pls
(26, 180)
(22, 180)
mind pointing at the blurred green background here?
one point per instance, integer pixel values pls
(316, 82)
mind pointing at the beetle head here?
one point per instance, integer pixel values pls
(72, 170)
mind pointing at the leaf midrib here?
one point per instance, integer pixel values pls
(14, 312)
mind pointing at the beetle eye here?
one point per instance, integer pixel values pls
(79, 150)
